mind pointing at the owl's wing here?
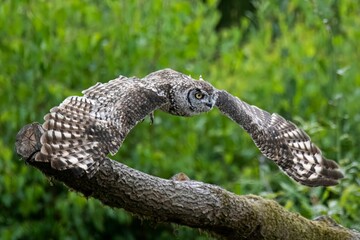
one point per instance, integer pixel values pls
(81, 131)
(281, 141)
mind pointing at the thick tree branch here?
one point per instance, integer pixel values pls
(185, 202)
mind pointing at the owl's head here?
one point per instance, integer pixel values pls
(199, 99)
(191, 97)
(186, 96)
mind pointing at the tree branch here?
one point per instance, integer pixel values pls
(183, 201)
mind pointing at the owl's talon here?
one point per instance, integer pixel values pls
(151, 115)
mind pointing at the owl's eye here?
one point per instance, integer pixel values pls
(199, 95)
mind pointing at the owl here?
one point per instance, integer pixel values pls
(83, 130)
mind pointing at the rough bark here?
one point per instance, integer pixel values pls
(186, 202)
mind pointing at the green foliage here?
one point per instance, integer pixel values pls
(300, 59)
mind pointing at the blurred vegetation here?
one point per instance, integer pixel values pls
(297, 58)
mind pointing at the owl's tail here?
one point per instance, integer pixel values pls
(69, 140)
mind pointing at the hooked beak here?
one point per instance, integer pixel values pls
(210, 103)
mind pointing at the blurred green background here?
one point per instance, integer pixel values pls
(297, 58)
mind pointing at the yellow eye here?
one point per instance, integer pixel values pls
(199, 95)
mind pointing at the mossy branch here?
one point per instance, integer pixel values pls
(183, 201)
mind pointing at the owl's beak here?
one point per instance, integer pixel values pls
(210, 103)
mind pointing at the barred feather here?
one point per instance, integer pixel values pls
(82, 131)
(283, 142)
(67, 142)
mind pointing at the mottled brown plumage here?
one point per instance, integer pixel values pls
(82, 131)
(281, 141)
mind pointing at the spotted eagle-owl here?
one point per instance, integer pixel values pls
(82, 131)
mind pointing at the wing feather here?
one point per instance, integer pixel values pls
(281, 141)
(82, 131)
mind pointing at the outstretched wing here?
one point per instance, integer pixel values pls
(281, 141)
(81, 131)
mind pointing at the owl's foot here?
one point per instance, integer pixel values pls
(151, 115)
